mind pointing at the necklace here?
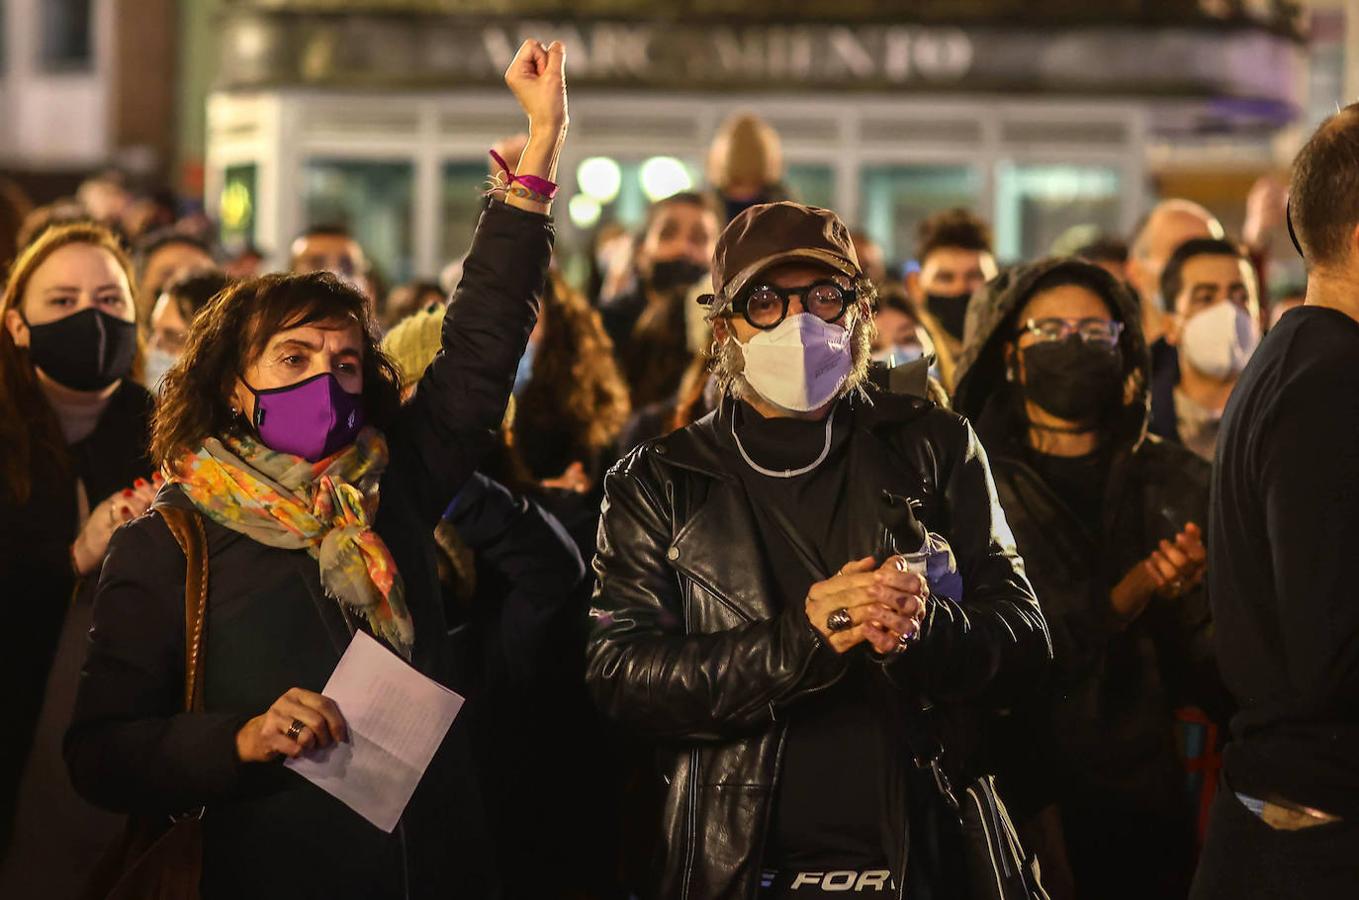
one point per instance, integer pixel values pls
(786, 473)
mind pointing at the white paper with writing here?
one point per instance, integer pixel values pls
(397, 718)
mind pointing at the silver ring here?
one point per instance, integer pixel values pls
(905, 640)
(840, 620)
(295, 729)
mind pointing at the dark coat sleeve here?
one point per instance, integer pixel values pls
(530, 551)
(646, 672)
(130, 746)
(993, 644)
(452, 421)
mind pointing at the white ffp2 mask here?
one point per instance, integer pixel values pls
(1220, 340)
(799, 365)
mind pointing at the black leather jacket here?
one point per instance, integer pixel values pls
(691, 648)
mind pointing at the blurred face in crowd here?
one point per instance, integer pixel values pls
(74, 278)
(953, 271)
(895, 328)
(1066, 355)
(337, 254)
(407, 299)
(679, 232)
(1208, 280)
(296, 354)
(246, 265)
(169, 330)
(103, 199)
(871, 259)
(168, 263)
(1170, 225)
(1215, 316)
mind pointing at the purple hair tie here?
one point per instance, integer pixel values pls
(536, 185)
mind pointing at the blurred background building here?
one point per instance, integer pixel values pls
(378, 113)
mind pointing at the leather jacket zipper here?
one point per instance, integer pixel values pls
(691, 814)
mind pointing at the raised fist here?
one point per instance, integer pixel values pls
(539, 84)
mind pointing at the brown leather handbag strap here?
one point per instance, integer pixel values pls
(187, 527)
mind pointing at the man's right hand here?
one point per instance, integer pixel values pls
(883, 604)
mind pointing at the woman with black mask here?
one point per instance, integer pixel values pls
(651, 324)
(1108, 521)
(73, 439)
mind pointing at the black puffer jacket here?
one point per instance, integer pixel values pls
(1104, 727)
(692, 649)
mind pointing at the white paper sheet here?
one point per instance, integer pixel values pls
(397, 718)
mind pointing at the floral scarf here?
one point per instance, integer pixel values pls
(324, 507)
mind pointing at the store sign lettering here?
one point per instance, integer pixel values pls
(723, 55)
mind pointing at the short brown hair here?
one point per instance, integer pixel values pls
(1324, 191)
(233, 329)
(956, 227)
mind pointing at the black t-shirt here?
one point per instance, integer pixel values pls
(831, 798)
(1079, 482)
(1283, 533)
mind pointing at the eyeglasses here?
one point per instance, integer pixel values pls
(1092, 331)
(765, 306)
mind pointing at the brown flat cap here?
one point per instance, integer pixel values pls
(771, 233)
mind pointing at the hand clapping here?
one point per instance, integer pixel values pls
(883, 605)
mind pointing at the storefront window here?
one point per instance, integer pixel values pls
(237, 206)
(464, 183)
(613, 190)
(66, 26)
(812, 184)
(373, 200)
(1036, 204)
(894, 200)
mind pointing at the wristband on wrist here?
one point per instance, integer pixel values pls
(539, 190)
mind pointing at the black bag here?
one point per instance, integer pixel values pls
(161, 858)
(979, 850)
(979, 847)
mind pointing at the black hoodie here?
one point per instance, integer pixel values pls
(1104, 725)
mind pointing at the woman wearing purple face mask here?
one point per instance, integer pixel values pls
(281, 432)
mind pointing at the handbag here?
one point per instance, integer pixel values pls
(158, 857)
(980, 850)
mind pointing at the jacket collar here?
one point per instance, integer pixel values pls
(890, 398)
(725, 510)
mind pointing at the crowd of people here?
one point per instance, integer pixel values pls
(767, 569)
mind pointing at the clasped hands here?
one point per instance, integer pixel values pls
(885, 605)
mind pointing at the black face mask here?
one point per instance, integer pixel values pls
(674, 274)
(1072, 379)
(950, 310)
(87, 351)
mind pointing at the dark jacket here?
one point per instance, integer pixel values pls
(692, 649)
(35, 563)
(270, 627)
(1104, 723)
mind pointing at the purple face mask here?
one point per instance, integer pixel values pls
(311, 419)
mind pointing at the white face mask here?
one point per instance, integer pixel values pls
(1219, 341)
(800, 365)
(158, 362)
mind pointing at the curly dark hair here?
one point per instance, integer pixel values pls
(576, 381)
(233, 330)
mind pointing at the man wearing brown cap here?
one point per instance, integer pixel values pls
(751, 620)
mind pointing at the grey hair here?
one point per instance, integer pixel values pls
(728, 363)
